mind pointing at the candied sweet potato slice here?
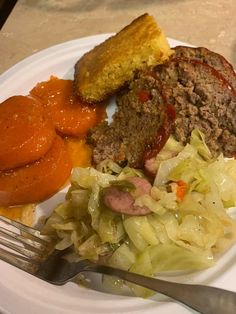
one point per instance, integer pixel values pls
(36, 181)
(26, 133)
(70, 115)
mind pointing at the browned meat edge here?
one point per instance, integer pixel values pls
(209, 57)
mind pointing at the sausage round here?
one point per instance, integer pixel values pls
(123, 202)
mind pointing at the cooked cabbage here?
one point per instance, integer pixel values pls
(187, 229)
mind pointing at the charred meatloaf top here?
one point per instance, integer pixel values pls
(140, 112)
(203, 99)
(209, 57)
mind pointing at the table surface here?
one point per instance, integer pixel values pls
(37, 24)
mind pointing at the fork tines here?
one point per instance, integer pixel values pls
(24, 247)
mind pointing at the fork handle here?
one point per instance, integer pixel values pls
(204, 299)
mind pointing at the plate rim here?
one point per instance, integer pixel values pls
(85, 41)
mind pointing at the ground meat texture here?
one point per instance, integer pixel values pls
(203, 99)
(139, 115)
(209, 57)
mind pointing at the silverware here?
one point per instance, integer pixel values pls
(32, 252)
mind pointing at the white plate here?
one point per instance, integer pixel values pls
(21, 293)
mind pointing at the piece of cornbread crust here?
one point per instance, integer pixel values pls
(104, 69)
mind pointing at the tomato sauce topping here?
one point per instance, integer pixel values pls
(144, 95)
(163, 134)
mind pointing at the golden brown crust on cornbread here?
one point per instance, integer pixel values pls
(104, 69)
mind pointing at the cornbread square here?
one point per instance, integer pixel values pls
(104, 69)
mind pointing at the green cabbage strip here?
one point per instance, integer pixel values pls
(189, 225)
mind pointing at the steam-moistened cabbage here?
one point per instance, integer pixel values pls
(188, 225)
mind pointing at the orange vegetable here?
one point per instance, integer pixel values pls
(26, 134)
(181, 189)
(38, 180)
(11, 212)
(80, 152)
(22, 213)
(71, 116)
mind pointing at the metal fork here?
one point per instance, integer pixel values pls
(34, 253)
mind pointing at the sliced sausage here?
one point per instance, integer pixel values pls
(123, 202)
(142, 186)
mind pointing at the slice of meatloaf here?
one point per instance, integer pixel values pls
(209, 57)
(139, 115)
(203, 99)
